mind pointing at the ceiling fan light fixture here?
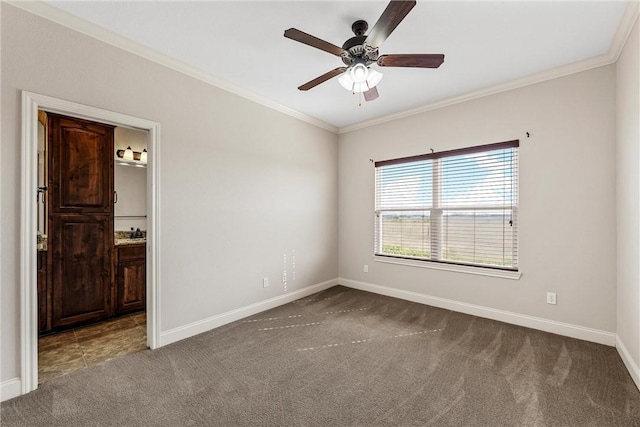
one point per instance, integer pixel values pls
(359, 78)
(362, 50)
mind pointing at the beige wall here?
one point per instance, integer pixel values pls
(240, 184)
(567, 197)
(130, 210)
(130, 182)
(125, 137)
(628, 197)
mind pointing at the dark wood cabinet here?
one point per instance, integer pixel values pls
(44, 297)
(80, 221)
(130, 289)
(131, 278)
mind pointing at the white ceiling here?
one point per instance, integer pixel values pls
(241, 43)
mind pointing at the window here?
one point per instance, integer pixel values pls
(458, 207)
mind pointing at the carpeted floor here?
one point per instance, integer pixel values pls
(347, 358)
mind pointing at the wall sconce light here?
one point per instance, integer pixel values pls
(132, 156)
(128, 154)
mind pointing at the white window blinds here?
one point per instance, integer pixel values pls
(457, 207)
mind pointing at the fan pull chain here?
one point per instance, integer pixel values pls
(353, 92)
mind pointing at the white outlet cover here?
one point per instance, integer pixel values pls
(551, 298)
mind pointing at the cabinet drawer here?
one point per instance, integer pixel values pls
(129, 252)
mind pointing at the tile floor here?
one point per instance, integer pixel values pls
(78, 348)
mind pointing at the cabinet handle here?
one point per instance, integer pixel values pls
(115, 197)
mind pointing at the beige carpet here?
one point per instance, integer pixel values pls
(347, 358)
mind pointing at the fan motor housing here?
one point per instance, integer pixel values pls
(354, 41)
(357, 50)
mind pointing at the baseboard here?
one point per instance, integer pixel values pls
(633, 369)
(560, 328)
(10, 389)
(195, 328)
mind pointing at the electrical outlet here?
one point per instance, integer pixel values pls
(551, 298)
(366, 268)
(265, 282)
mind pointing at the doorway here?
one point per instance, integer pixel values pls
(91, 262)
(31, 103)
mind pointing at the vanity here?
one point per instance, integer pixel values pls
(131, 271)
(128, 287)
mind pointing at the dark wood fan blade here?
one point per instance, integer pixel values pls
(411, 60)
(312, 41)
(323, 78)
(371, 94)
(388, 21)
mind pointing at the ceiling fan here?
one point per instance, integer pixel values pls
(360, 51)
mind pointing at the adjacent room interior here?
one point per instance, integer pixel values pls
(456, 216)
(93, 309)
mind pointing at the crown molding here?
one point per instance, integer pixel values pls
(80, 25)
(75, 23)
(576, 67)
(624, 29)
(627, 22)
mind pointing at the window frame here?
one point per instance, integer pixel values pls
(437, 211)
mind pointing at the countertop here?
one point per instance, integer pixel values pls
(121, 238)
(128, 241)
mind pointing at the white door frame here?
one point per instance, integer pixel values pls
(31, 103)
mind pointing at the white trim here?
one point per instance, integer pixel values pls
(560, 328)
(153, 236)
(631, 366)
(10, 389)
(31, 103)
(28, 252)
(80, 25)
(7, 388)
(468, 269)
(624, 29)
(204, 325)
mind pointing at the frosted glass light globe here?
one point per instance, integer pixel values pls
(128, 154)
(359, 73)
(374, 77)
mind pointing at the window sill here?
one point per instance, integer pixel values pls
(480, 271)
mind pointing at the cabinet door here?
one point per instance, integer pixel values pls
(132, 273)
(80, 269)
(80, 166)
